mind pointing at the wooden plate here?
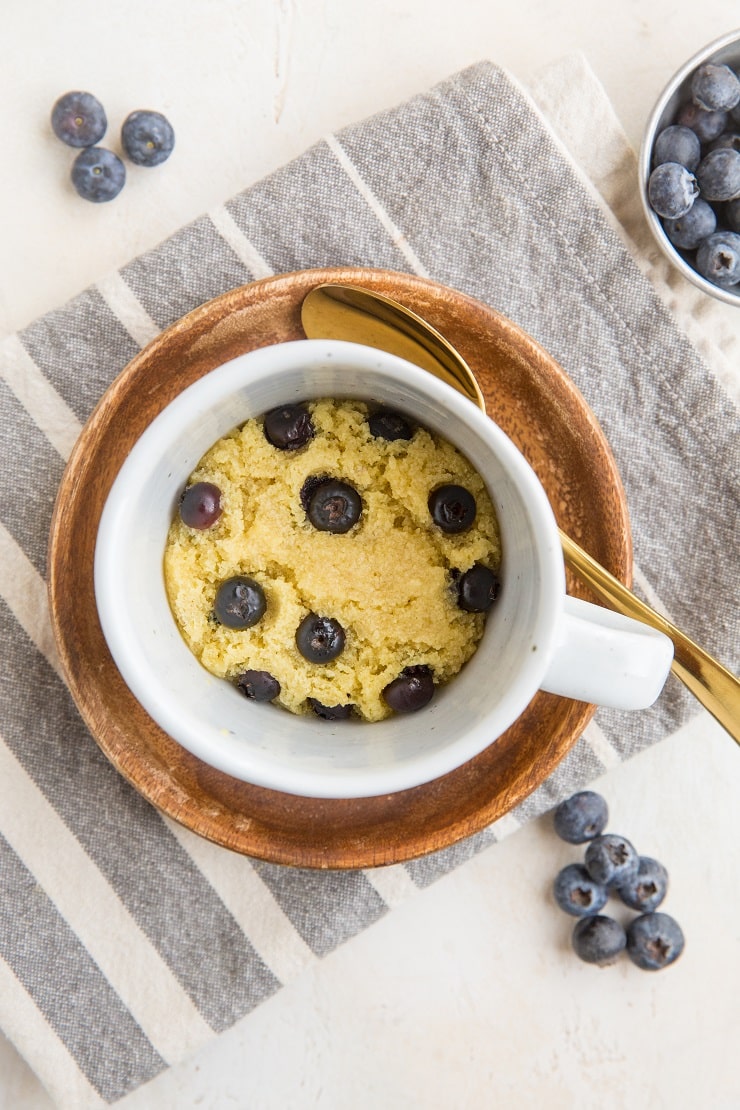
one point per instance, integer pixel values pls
(527, 393)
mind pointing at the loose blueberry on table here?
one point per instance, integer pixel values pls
(98, 174)
(581, 817)
(598, 939)
(148, 138)
(654, 941)
(646, 889)
(611, 865)
(576, 892)
(611, 859)
(78, 119)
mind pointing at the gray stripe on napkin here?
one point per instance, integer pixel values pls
(629, 737)
(81, 348)
(326, 908)
(428, 869)
(308, 215)
(74, 996)
(125, 837)
(191, 267)
(578, 767)
(29, 479)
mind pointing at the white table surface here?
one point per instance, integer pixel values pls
(466, 995)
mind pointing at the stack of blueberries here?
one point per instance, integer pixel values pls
(695, 183)
(611, 864)
(98, 174)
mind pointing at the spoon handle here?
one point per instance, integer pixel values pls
(712, 684)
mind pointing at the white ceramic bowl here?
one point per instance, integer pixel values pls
(264, 744)
(725, 50)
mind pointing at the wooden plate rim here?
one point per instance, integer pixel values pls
(229, 828)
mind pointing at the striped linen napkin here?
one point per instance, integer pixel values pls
(126, 941)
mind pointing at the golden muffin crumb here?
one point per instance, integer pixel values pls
(389, 580)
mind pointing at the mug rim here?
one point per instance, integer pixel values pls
(269, 363)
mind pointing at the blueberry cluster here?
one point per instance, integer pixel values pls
(611, 865)
(333, 505)
(98, 174)
(694, 185)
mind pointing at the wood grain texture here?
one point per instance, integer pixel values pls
(532, 399)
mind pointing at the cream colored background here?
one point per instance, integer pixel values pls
(467, 994)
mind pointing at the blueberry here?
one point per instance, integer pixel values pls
(677, 144)
(672, 189)
(598, 939)
(288, 427)
(581, 817)
(732, 214)
(334, 506)
(718, 174)
(240, 602)
(688, 231)
(611, 859)
(654, 941)
(646, 889)
(707, 125)
(98, 174)
(477, 589)
(577, 893)
(715, 87)
(452, 508)
(729, 140)
(200, 505)
(258, 685)
(319, 639)
(718, 258)
(331, 712)
(387, 424)
(309, 487)
(78, 119)
(412, 690)
(147, 138)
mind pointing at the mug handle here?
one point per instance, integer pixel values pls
(603, 657)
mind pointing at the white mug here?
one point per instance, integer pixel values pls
(536, 636)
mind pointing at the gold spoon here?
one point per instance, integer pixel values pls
(361, 316)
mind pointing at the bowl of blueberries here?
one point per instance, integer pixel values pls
(690, 169)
